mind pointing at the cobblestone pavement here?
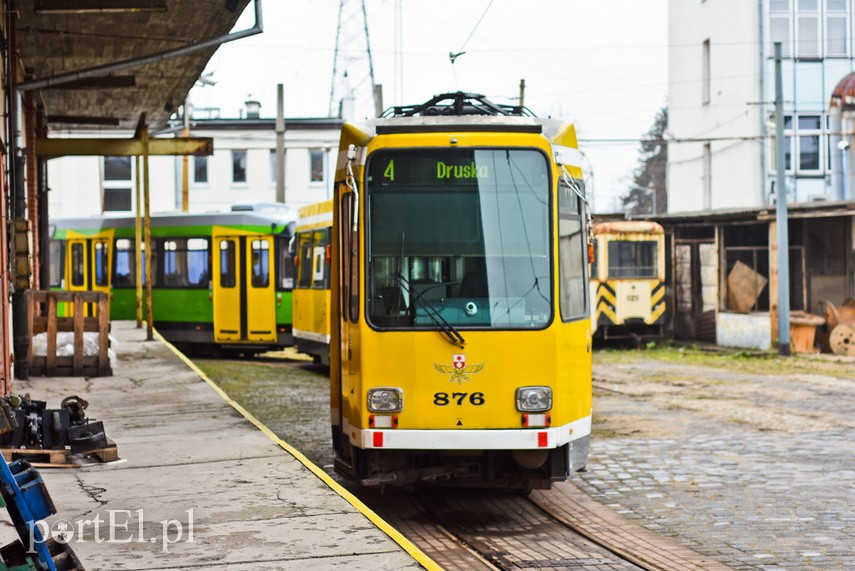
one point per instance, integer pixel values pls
(754, 469)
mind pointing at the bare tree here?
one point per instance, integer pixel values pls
(648, 192)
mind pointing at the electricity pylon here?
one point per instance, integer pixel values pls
(353, 68)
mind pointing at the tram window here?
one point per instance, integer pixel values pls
(304, 258)
(472, 241)
(78, 273)
(595, 265)
(102, 264)
(123, 263)
(350, 259)
(320, 265)
(227, 263)
(631, 259)
(185, 262)
(571, 262)
(260, 263)
(571, 255)
(284, 266)
(198, 262)
(57, 262)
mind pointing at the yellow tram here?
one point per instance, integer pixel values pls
(628, 280)
(460, 341)
(312, 251)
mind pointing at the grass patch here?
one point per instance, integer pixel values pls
(753, 362)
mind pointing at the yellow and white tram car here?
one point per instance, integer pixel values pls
(628, 280)
(460, 342)
(311, 295)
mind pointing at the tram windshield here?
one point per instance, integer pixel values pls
(467, 229)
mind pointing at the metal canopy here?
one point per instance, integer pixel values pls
(53, 43)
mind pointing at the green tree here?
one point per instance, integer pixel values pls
(649, 178)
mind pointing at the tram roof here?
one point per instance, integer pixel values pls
(557, 131)
(173, 219)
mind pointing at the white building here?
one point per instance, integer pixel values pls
(722, 169)
(721, 99)
(241, 170)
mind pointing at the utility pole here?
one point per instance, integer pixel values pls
(781, 218)
(280, 143)
(185, 161)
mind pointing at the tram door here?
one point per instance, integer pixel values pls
(244, 296)
(87, 263)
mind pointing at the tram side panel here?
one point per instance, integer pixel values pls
(312, 252)
(192, 277)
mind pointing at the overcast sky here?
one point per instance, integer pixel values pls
(601, 63)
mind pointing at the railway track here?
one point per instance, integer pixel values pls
(561, 528)
(464, 529)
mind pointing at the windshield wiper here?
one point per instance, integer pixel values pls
(446, 330)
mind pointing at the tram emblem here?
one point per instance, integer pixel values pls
(458, 370)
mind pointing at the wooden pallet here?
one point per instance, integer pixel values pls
(60, 456)
(36, 455)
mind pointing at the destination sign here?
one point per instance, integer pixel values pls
(447, 167)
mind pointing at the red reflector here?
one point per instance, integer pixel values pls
(378, 440)
(542, 439)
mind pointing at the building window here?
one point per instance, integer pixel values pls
(705, 97)
(807, 29)
(836, 25)
(779, 26)
(803, 145)
(117, 168)
(239, 166)
(118, 176)
(707, 176)
(316, 161)
(200, 170)
(118, 200)
(809, 136)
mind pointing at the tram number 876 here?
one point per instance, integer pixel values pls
(442, 399)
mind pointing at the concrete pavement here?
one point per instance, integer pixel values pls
(198, 486)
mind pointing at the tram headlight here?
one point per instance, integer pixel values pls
(385, 399)
(534, 399)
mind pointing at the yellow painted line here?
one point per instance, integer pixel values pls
(382, 524)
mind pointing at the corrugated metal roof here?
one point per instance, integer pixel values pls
(52, 44)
